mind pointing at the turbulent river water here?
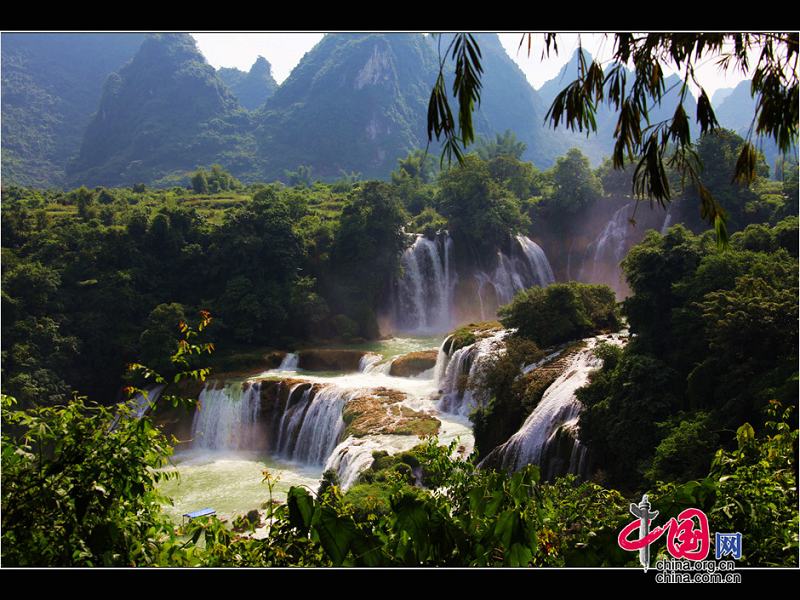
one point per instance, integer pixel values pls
(221, 470)
(296, 424)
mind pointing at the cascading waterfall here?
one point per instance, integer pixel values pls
(667, 219)
(289, 362)
(311, 423)
(140, 404)
(424, 294)
(227, 418)
(374, 363)
(423, 299)
(350, 458)
(554, 421)
(459, 373)
(537, 260)
(143, 402)
(526, 266)
(608, 249)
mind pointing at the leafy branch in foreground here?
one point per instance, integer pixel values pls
(466, 53)
(637, 140)
(80, 482)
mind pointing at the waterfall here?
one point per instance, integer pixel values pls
(424, 300)
(289, 362)
(311, 423)
(553, 424)
(459, 375)
(667, 220)
(604, 255)
(424, 293)
(227, 418)
(526, 266)
(537, 260)
(373, 363)
(140, 404)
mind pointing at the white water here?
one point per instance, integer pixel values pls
(558, 407)
(374, 363)
(143, 402)
(313, 430)
(537, 259)
(227, 418)
(459, 374)
(313, 438)
(289, 362)
(424, 299)
(140, 404)
(608, 249)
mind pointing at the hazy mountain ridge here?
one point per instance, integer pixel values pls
(51, 86)
(600, 144)
(354, 103)
(736, 112)
(166, 111)
(253, 88)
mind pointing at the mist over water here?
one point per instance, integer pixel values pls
(435, 293)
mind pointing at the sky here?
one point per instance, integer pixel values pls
(284, 51)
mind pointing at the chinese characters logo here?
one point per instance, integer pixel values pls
(687, 535)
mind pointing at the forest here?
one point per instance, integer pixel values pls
(104, 285)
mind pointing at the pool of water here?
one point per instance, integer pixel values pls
(230, 483)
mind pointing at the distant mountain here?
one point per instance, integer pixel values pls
(718, 97)
(251, 89)
(358, 102)
(599, 145)
(355, 102)
(736, 112)
(164, 113)
(509, 102)
(51, 86)
(568, 73)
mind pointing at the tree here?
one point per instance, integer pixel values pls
(638, 141)
(476, 206)
(506, 144)
(366, 250)
(575, 185)
(200, 182)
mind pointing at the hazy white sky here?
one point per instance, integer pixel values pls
(284, 51)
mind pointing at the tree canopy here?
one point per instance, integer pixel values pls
(648, 145)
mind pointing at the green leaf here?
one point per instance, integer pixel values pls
(518, 556)
(506, 526)
(301, 508)
(745, 434)
(335, 533)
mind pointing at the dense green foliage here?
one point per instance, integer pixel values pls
(78, 492)
(366, 250)
(478, 208)
(512, 397)
(640, 138)
(456, 516)
(92, 277)
(561, 312)
(716, 339)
